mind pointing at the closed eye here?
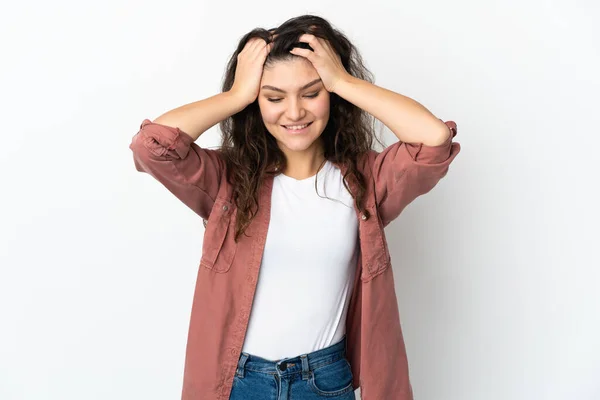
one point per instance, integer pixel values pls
(310, 96)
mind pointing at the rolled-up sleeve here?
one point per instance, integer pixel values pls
(404, 171)
(191, 173)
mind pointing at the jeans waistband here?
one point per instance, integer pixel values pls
(292, 365)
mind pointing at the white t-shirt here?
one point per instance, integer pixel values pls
(308, 267)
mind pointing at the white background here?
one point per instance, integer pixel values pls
(496, 269)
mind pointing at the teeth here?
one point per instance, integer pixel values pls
(297, 127)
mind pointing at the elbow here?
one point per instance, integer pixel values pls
(440, 138)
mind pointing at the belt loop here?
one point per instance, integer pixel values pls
(305, 368)
(241, 364)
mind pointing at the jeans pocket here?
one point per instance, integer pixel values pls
(331, 380)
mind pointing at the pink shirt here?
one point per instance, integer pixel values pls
(228, 271)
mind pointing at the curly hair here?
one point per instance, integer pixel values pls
(251, 153)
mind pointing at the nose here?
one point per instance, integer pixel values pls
(295, 111)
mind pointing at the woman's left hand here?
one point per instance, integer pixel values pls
(325, 60)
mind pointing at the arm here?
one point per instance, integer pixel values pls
(406, 118)
(165, 149)
(404, 171)
(420, 158)
(413, 165)
(196, 118)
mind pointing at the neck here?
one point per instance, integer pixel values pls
(304, 165)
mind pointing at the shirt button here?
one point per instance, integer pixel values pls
(364, 217)
(225, 208)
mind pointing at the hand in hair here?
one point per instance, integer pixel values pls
(249, 69)
(325, 60)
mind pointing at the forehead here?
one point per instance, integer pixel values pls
(289, 75)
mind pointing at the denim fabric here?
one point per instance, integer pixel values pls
(324, 373)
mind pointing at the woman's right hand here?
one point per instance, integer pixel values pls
(249, 70)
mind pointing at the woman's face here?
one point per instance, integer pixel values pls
(293, 105)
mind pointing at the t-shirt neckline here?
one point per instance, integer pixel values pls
(310, 178)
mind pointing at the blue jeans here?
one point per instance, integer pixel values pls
(321, 374)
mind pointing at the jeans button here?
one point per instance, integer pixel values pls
(283, 366)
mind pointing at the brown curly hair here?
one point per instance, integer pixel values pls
(251, 153)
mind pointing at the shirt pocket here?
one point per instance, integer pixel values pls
(374, 246)
(219, 247)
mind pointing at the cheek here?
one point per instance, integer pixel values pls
(320, 108)
(271, 118)
(270, 115)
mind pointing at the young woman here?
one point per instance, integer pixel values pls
(295, 294)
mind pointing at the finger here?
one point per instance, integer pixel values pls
(260, 45)
(252, 45)
(256, 49)
(303, 52)
(262, 52)
(311, 40)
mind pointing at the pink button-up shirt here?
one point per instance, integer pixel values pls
(228, 271)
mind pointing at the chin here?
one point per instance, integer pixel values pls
(297, 146)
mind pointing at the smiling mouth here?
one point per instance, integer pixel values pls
(288, 126)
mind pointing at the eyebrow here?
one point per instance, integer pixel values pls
(302, 88)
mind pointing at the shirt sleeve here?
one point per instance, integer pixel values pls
(170, 155)
(404, 171)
